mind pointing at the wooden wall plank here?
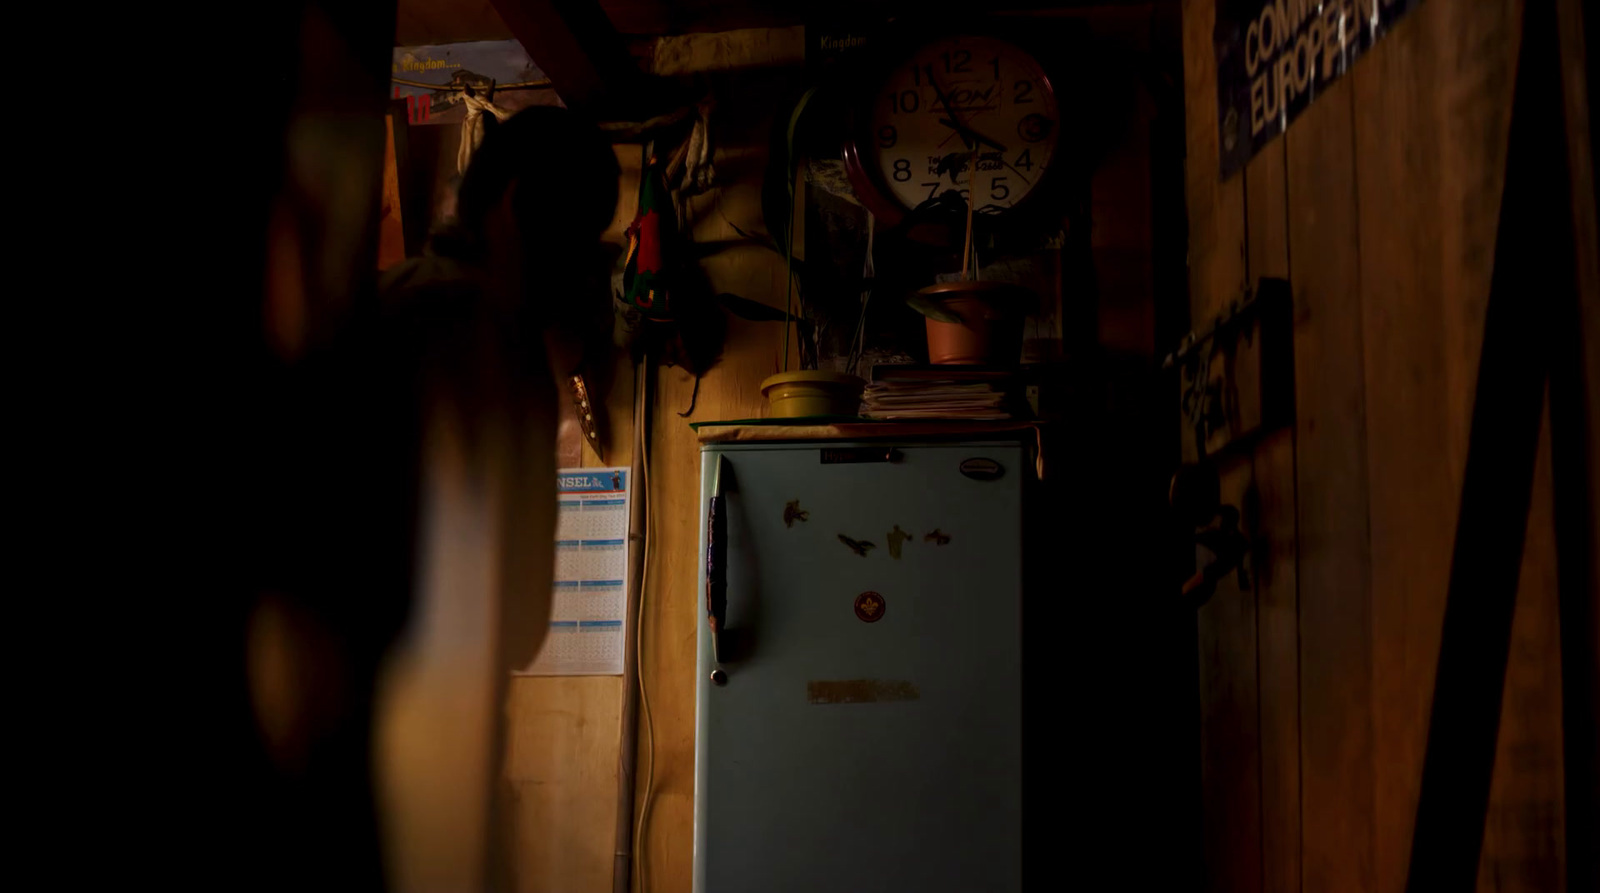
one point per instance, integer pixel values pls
(1266, 213)
(1432, 117)
(1524, 842)
(669, 632)
(1229, 746)
(1392, 184)
(1216, 208)
(561, 761)
(391, 220)
(1271, 527)
(1332, 487)
(1273, 551)
(1418, 410)
(1524, 834)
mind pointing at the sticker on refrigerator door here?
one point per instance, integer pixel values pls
(870, 607)
(860, 547)
(896, 538)
(982, 469)
(792, 512)
(860, 691)
(937, 537)
(855, 455)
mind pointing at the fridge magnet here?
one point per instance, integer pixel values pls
(896, 538)
(860, 691)
(860, 547)
(937, 537)
(792, 512)
(870, 607)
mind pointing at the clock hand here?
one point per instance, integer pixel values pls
(1001, 151)
(972, 135)
(956, 123)
(969, 135)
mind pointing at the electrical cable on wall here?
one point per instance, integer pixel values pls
(640, 844)
(629, 822)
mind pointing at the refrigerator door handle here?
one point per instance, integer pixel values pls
(717, 579)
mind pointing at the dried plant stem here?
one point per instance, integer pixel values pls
(972, 201)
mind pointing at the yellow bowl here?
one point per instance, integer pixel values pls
(811, 392)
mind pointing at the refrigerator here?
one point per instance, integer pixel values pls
(859, 711)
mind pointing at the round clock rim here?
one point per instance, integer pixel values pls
(877, 197)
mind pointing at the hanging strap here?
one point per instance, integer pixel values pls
(472, 129)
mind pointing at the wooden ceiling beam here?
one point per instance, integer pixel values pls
(574, 43)
(640, 17)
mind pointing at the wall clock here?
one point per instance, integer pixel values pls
(913, 132)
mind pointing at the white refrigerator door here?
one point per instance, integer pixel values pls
(868, 736)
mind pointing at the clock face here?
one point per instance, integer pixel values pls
(955, 95)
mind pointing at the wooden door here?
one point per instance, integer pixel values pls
(1380, 205)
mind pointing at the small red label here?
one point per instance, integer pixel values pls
(870, 607)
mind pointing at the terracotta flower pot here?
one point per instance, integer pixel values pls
(990, 330)
(811, 392)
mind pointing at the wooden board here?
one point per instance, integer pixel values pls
(563, 739)
(561, 761)
(391, 220)
(1418, 410)
(1272, 529)
(1524, 842)
(1332, 487)
(1432, 119)
(1230, 751)
(1270, 523)
(1381, 204)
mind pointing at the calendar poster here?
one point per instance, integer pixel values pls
(589, 603)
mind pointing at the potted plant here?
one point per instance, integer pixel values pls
(970, 320)
(973, 321)
(807, 391)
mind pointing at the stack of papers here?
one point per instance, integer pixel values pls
(934, 399)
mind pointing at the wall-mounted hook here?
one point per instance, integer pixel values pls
(1195, 495)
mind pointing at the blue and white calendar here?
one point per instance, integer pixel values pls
(588, 605)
